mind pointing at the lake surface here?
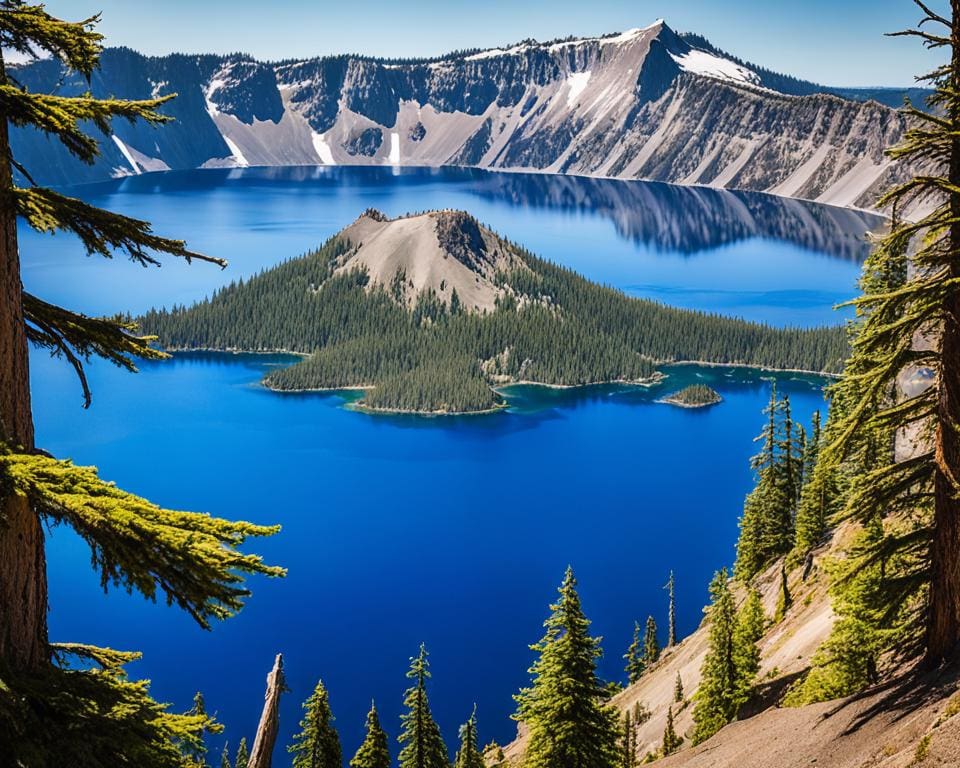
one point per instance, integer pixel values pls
(400, 529)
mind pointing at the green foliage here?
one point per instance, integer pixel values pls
(767, 524)
(671, 741)
(423, 744)
(678, 689)
(628, 743)
(569, 725)
(732, 660)
(468, 755)
(751, 624)
(193, 558)
(317, 745)
(374, 752)
(243, 757)
(634, 657)
(225, 756)
(83, 708)
(651, 646)
(866, 626)
(904, 378)
(566, 331)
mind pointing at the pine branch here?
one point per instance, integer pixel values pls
(101, 232)
(77, 338)
(61, 116)
(27, 28)
(192, 558)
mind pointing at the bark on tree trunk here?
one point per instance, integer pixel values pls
(23, 573)
(262, 752)
(943, 628)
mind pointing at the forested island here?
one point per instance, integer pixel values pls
(694, 396)
(429, 313)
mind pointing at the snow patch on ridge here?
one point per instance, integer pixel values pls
(126, 153)
(394, 148)
(703, 63)
(238, 157)
(577, 82)
(322, 149)
(215, 85)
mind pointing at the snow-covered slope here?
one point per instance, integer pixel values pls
(646, 103)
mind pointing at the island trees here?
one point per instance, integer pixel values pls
(569, 724)
(92, 715)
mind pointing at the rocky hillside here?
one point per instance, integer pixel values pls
(914, 714)
(647, 103)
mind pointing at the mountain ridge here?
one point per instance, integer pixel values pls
(641, 104)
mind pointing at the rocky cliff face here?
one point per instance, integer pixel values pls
(647, 103)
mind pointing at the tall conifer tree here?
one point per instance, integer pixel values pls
(651, 646)
(569, 725)
(191, 559)
(671, 741)
(423, 746)
(717, 698)
(317, 745)
(926, 306)
(374, 752)
(634, 657)
(243, 755)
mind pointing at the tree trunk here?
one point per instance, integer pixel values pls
(943, 628)
(262, 752)
(23, 576)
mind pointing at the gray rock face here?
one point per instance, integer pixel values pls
(644, 104)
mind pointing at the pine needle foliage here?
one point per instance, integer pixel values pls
(191, 557)
(317, 745)
(563, 708)
(651, 645)
(374, 752)
(671, 741)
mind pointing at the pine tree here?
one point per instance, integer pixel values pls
(672, 615)
(678, 689)
(192, 559)
(651, 646)
(628, 743)
(751, 623)
(634, 657)
(767, 524)
(423, 746)
(784, 598)
(243, 757)
(717, 698)
(317, 745)
(225, 756)
(671, 742)
(469, 756)
(819, 497)
(892, 315)
(375, 750)
(569, 725)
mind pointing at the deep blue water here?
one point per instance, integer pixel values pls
(397, 530)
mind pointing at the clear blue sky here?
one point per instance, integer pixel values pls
(836, 42)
